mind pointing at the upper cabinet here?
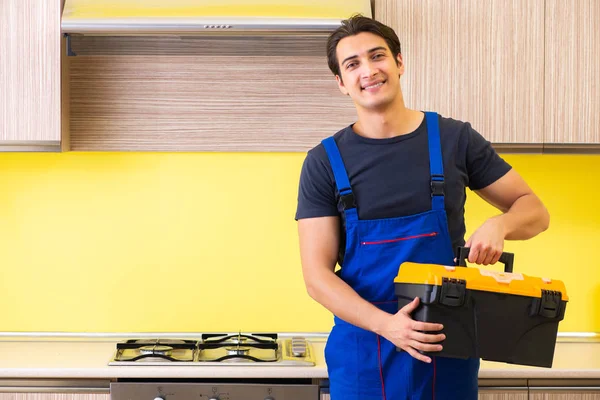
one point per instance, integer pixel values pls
(203, 94)
(473, 60)
(572, 92)
(30, 76)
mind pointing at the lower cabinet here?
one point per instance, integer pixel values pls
(503, 394)
(53, 396)
(564, 394)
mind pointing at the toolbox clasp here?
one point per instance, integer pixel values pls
(453, 292)
(548, 305)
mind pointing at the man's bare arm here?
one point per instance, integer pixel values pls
(319, 243)
(523, 217)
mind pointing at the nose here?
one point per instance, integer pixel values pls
(369, 70)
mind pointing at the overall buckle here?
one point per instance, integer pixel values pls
(437, 185)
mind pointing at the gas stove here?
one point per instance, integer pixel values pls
(212, 349)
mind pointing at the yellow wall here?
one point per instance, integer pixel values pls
(133, 242)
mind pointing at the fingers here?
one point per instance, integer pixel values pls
(489, 256)
(425, 346)
(410, 307)
(427, 337)
(417, 355)
(426, 326)
(484, 254)
(473, 254)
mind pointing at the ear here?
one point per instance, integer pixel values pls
(400, 64)
(341, 85)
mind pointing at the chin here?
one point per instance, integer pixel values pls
(376, 105)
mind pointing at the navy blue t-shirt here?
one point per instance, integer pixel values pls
(391, 177)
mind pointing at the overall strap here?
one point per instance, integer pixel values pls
(341, 179)
(436, 164)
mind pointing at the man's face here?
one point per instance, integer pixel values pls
(369, 72)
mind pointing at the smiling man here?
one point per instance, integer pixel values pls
(387, 189)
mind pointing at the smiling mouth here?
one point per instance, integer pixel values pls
(375, 86)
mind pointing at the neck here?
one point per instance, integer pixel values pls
(392, 120)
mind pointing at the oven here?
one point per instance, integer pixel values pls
(215, 390)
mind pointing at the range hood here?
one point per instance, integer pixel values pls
(198, 17)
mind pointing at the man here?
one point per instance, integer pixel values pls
(387, 189)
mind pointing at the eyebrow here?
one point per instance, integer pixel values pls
(370, 51)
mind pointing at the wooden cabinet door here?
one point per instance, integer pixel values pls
(572, 94)
(30, 74)
(564, 394)
(53, 396)
(473, 60)
(503, 394)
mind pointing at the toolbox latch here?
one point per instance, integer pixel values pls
(548, 305)
(453, 292)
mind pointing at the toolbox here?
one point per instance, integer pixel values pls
(497, 316)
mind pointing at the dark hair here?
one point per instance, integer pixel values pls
(353, 26)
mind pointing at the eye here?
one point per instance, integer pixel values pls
(376, 56)
(350, 65)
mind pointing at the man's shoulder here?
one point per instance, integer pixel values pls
(319, 152)
(453, 125)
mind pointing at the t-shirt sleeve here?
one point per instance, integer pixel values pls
(484, 165)
(316, 192)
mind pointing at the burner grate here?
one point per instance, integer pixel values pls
(152, 349)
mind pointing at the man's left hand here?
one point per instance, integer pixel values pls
(487, 242)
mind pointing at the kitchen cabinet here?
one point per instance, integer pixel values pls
(31, 89)
(240, 94)
(572, 95)
(503, 394)
(53, 396)
(564, 394)
(473, 60)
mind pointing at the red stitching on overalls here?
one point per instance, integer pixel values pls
(401, 239)
(433, 383)
(380, 367)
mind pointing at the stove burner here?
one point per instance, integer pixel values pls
(258, 341)
(150, 350)
(237, 351)
(213, 349)
(238, 339)
(156, 350)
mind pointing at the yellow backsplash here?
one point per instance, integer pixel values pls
(189, 242)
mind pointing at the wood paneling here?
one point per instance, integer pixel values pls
(480, 61)
(566, 394)
(503, 394)
(249, 94)
(30, 71)
(572, 100)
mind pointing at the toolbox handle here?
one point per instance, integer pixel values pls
(506, 258)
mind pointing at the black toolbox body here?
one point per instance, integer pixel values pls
(483, 318)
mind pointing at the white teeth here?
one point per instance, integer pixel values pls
(374, 86)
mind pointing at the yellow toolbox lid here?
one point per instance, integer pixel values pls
(479, 279)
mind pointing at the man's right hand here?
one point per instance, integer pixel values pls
(408, 335)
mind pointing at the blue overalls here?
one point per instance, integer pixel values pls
(361, 364)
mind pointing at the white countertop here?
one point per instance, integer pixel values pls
(66, 358)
